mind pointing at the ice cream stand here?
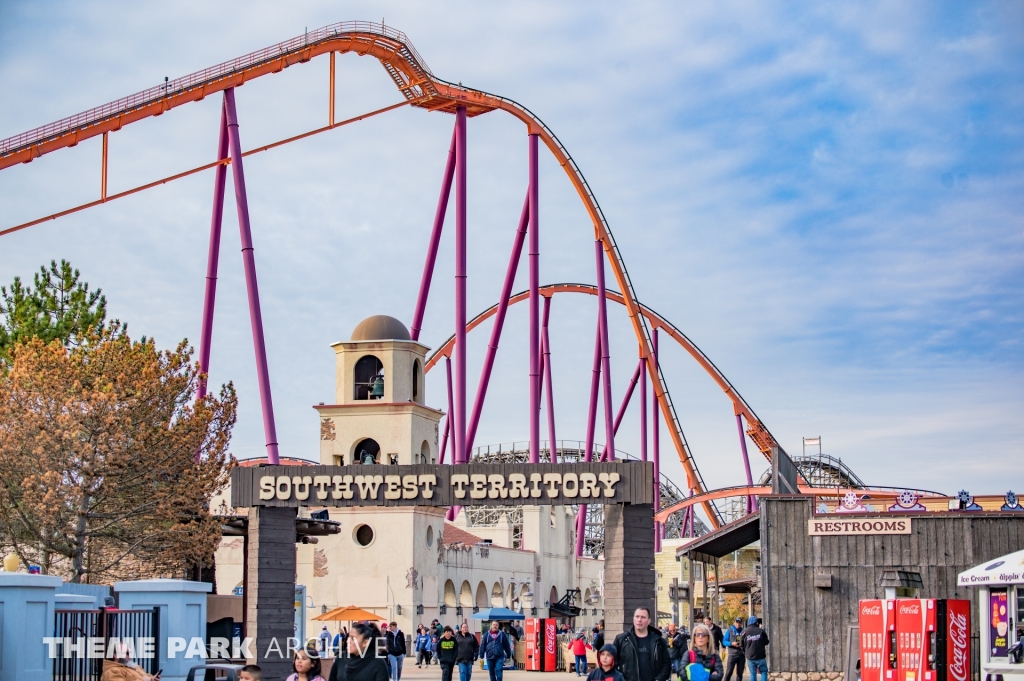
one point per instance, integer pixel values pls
(1000, 614)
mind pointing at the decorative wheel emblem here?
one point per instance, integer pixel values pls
(907, 499)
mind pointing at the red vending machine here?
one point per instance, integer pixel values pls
(533, 638)
(915, 639)
(541, 644)
(877, 640)
(934, 639)
(550, 644)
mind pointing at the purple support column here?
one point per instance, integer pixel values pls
(213, 256)
(499, 323)
(581, 527)
(643, 409)
(534, 305)
(602, 311)
(588, 452)
(444, 438)
(459, 422)
(657, 448)
(435, 241)
(746, 461)
(448, 416)
(622, 407)
(249, 260)
(550, 404)
(595, 382)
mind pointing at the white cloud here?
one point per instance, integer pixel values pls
(773, 174)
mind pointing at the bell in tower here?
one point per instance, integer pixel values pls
(379, 415)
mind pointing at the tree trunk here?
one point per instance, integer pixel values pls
(80, 527)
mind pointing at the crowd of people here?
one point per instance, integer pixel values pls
(641, 653)
(644, 653)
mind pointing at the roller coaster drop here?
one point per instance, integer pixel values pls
(422, 89)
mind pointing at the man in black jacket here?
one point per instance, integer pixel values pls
(676, 647)
(716, 633)
(396, 651)
(755, 643)
(642, 652)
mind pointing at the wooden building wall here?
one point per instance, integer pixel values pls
(808, 626)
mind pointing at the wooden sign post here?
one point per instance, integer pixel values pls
(275, 493)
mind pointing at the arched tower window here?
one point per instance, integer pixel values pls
(369, 379)
(366, 452)
(424, 455)
(417, 379)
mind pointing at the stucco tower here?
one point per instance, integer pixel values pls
(379, 415)
(384, 559)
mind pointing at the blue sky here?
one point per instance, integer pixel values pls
(826, 197)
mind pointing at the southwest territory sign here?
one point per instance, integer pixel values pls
(625, 482)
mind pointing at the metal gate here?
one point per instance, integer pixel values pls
(76, 627)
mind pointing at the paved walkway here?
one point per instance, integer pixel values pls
(433, 673)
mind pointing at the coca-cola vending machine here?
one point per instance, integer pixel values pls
(915, 639)
(541, 638)
(877, 640)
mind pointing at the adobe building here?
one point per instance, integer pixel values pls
(407, 563)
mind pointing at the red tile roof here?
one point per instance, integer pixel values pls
(456, 535)
(284, 461)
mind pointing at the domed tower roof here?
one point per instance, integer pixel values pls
(380, 327)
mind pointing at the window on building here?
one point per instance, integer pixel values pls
(417, 380)
(363, 534)
(369, 379)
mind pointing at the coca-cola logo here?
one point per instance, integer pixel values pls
(910, 609)
(871, 610)
(958, 637)
(550, 639)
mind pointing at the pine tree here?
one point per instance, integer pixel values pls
(59, 307)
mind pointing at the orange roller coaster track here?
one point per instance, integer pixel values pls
(756, 430)
(420, 88)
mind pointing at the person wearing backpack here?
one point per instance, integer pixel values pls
(606, 671)
(495, 647)
(735, 661)
(579, 648)
(701, 662)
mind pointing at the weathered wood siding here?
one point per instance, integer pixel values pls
(808, 625)
(270, 587)
(629, 578)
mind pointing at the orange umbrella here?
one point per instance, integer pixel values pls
(349, 613)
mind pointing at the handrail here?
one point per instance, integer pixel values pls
(205, 76)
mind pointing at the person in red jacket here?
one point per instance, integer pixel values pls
(579, 648)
